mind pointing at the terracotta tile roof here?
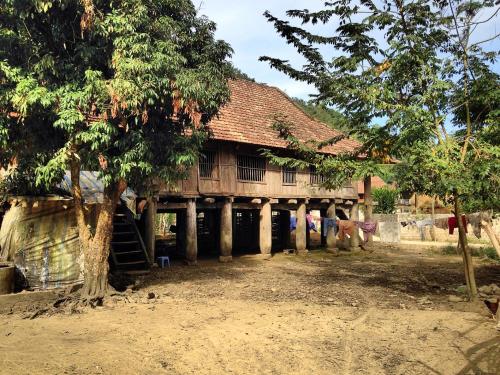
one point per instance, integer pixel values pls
(248, 118)
(377, 182)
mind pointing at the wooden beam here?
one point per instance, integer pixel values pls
(172, 206)
(246, 206)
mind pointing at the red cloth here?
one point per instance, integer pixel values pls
(452, 223)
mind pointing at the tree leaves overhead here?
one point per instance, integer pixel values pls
(402, 72)
(126, 85)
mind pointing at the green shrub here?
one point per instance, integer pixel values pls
(486, 252)
(386, 200)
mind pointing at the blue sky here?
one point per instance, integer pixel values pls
(241, 23)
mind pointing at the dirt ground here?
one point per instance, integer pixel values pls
(381, 313)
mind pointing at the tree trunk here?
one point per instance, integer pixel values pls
(466, 254)
(95, 247)
(95, 284)
(433, 217)
(368, 206)
(491, 234)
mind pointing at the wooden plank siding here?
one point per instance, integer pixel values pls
(224, 180)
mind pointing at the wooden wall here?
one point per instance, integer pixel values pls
(224, 180)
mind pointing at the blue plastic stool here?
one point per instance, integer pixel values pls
(163, 260)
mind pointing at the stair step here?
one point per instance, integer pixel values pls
(121, 224)
(131, 263)
(120, 215)
(129, 252)
(123, 242)
(120, 233)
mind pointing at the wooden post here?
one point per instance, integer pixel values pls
(301, 231)
(368, 205)
(433, 217)
(191, 235)
(265, 229)
(491, 234)
(150, 229)
(466, 253)
(226, 231)
(354, 241)
(331, 241)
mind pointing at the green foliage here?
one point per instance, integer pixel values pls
(398, 91)
(324, 114)
(123, 87)
(386, 199)
(237, 73)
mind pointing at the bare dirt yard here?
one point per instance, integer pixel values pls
(382, 313)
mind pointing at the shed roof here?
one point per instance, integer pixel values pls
(249, 116)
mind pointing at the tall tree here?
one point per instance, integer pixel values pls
(123, 87)
(408, 65)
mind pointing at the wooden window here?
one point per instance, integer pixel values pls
(314, 177)
(251, 168)
(289, 176)
(208, 164)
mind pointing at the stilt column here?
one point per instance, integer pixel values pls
(150, 229)
(301, 231)
(368, 205)
(226, 231)
(354, 242)
(265, 235)
(191, 235)
(331, 241)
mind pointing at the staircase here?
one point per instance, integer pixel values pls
(127, 252)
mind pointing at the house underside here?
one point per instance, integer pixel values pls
(235, 201)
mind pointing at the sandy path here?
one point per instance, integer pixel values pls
(284, 316)
(217, 337)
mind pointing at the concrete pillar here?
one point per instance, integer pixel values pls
(265, 229)
(368, 205)
(191, 235)
(354, 242)
(301, 231)
(150, 229)
(226, 231)
(331, 241)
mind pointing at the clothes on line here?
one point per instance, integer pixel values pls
(328, 223)
(367, 227)
(475, 221)
(452, 224)
(346, 227)
(421, 224)
(310, 223)
(441, 223)
(408, 222)
(293, 223)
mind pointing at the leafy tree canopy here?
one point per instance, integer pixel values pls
(115, 85)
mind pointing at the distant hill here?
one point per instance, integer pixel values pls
(324, 114)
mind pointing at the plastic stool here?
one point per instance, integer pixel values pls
(163, 260)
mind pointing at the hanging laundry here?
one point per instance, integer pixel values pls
(452, 224)
(421, 224)
(293, 223)
(327, 224)
(475, 222)
(441, 223)
(346, 227)
(367, 227)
